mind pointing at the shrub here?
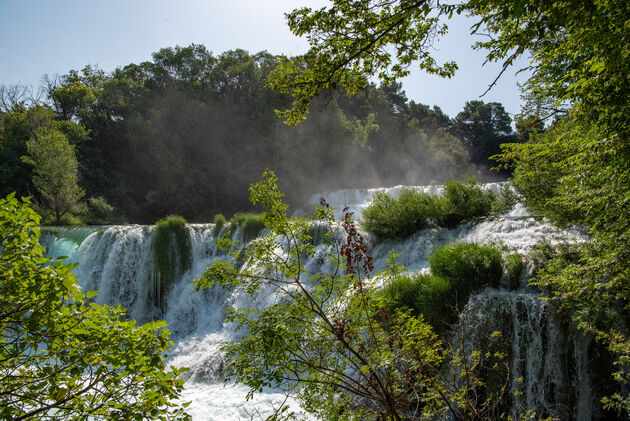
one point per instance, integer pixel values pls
(514, 266)
(99, 212)
(172, 254)
(389, 217)
(250, 223)
(219, 223)
(423, 294)
(468, 267)
(63, 357)
(546, 256)
(505, 201)
(463, 201)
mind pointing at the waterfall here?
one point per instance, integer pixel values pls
(118, 262)
(548, 361)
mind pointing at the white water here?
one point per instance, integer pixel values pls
(117, 261)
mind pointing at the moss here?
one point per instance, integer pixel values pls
(468, 267)
(514, 266)
(172, 254)
(219, 223)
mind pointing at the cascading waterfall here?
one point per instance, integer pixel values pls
(548, 362)
(117, 261)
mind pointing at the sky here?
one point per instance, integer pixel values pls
(40, 37)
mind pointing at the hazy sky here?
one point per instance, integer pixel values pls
(51, 37)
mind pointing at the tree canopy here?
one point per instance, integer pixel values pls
(187, 132)
(55, 170)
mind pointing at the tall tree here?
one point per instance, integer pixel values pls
(55, 170)
(483, 128)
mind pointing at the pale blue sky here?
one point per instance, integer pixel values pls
(40, 37)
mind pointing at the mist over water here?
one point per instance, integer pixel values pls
(117, 261)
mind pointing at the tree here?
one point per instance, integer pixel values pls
(55, 170)
(574, 174)
(483, 128)
(353, 40)
(328, 337)
(63, 357)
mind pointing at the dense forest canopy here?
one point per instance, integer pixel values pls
(189, 131)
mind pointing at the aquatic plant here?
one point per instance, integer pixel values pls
(172, 254)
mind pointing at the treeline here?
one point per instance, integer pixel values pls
(189, 131)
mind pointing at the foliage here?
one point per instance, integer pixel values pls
(219, 223)
(575, 173)
(327, 336)
(172, 254)
(468, 267)
(505, 201)
(99, 212)
(353, 40)
(63, 358)
(577, 58)
(424, 294)
(514, 265)
(578, 175)
(149, 136)
(463, 201)
(483, 127)
(55, 170)
(250, 223)
(389, 217)
(412, 210)
(542, 164)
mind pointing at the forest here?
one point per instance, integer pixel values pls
(188, 132)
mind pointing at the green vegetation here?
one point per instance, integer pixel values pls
(575, 172)
(63, 358)
(148, 137)
(457, 271)
(219, 223)
(468, 267)
(318, 233)
(330, 339)
(514, 265)
(55, 170)
(388, 217)
(250, 223)
(425, 295)
(505, 201)
(172, 254)
(463, 201)
(99, 212)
